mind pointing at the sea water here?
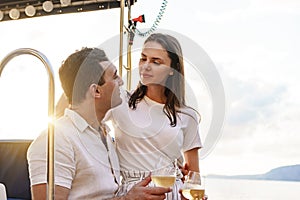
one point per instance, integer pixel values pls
(236, 189)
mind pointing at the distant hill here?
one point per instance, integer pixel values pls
(285, 173)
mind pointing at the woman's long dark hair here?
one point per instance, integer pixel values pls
(175, 84)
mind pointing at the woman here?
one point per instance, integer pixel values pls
(154, 126)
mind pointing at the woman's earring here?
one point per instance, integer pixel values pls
(171, 73)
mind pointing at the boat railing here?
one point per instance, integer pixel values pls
(50, 144)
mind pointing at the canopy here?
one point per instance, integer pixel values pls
(20, 9)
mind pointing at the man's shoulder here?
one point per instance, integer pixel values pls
(60, 126)
(63, 127)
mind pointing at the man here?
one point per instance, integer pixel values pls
(86, 164)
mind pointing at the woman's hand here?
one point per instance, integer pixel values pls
(184, 170)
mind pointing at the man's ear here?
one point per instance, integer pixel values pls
(95, 90)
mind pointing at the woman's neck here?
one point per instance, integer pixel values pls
(156, 93)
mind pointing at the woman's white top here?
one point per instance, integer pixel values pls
(144, 135)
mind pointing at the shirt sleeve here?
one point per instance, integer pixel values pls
(191, 131)
(36, 156)
(64, 167)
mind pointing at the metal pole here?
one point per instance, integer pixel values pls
(128, 68)
(122, 5)
(50, 150)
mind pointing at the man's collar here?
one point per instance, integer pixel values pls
(80, 122)
(77, 120)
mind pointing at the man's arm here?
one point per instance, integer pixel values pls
(39, 192)
(140, 191)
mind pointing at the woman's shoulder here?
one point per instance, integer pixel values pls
(190, 113)
(188, 109)
(113, 113)
(125, 94)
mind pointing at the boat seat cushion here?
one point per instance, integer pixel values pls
(14, 168)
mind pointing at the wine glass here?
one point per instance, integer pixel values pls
(164, 175)
(193, 187)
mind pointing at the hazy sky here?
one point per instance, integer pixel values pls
(254, 45)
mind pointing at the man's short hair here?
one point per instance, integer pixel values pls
(79, 71)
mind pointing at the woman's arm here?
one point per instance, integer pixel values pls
(192, 160)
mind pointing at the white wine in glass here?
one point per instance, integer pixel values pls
(163, 180)
(193, 193)
(164, 177)
(193, 187)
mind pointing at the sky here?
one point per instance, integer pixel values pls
(253, 44)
